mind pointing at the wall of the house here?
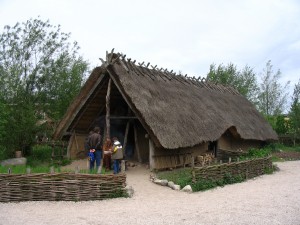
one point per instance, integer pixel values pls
(229, 142)
(172, 158)
(143, 144)
(76, 146)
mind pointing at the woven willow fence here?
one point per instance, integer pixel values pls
(247, 169)
(60, 187)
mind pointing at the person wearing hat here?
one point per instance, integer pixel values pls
(117, 154)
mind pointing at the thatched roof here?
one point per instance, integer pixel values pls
(179, 111)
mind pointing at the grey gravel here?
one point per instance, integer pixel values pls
(269, 199)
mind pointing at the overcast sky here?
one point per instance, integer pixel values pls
(184, 36)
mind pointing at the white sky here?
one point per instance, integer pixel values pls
(184, 36)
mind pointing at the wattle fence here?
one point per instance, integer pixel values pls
(246, 169)
(60, 187)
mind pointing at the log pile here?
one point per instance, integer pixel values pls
(60, 187)
(247, 169)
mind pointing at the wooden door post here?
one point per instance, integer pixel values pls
(107, 118)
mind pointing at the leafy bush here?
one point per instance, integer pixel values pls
(4, 153)
(205, 184)
(257, 153)
(40, 154)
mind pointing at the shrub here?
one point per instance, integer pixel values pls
(40, 154)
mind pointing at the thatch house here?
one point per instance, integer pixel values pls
(160, 117)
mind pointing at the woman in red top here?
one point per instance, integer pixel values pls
(107, 149)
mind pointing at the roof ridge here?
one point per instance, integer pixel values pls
(164, 74)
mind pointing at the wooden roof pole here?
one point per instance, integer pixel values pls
(107, 118)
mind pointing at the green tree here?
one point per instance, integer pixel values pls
(295, 110)
(243, 81)
(272, 96)
(281, 125)
(40, 72)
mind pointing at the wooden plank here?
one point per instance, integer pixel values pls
(152, 162)
(108, 109)
(126, 137)
(136, 144)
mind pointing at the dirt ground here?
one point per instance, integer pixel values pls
(269, 199)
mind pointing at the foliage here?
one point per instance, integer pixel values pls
(257, 153)
(38, 66)
(282, 126)
(272, 96)
(119, 193)
(295, 110)
(204, 184)
(244, 81)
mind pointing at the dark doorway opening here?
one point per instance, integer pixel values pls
(213, 147)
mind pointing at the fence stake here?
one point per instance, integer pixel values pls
(77, 169)
(28, 170)
(123, 167)
(229, 160)
(194, 176)
(9, 171)
(192, 162)
(51, 169)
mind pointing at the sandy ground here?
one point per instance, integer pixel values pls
(269, 199)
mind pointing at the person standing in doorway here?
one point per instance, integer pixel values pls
(95, 146)
(117, 154)
(107, 150)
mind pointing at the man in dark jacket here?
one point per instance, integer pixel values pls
(95, 146)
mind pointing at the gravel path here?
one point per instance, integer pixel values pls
(269, 199)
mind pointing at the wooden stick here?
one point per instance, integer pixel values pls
(108, 109)
(126, 137)
(136, 144)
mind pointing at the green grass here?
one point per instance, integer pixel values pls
(181, 176)
(21, 169)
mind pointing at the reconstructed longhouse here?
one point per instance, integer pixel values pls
(161, 118)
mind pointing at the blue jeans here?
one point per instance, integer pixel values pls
(97, 155)
(116, 166)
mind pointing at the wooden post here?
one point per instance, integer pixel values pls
(229, 160)
(28, 170)
(194, 176)
(192, 162)
(108, 109)
(77, 147)
(9, 171)
(126, 137)
(123, 167)
(151, 155)
(76, 169)
(107, 120)
(52, 169)
(136, 144)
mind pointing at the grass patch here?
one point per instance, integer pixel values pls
(21, 169)
(119, 193)
(181, 176)
(205, 184)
